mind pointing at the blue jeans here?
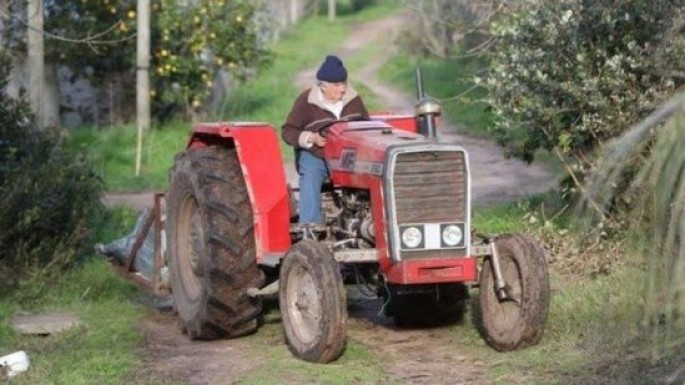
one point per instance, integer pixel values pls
(313, 172)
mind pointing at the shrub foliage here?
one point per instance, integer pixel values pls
(573, 73)
(48, 194)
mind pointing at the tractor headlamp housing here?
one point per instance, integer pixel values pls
(412, 237)
(452, 235)
(432, 236)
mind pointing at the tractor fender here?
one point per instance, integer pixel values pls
(263, 170)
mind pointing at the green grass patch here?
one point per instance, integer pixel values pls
(102, 350)
(113, 151)
(450, 80)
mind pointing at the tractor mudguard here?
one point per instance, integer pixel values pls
(263, 169)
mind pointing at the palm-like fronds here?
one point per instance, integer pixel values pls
(659, 211)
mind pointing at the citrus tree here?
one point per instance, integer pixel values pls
(195, 41)
(192, 41)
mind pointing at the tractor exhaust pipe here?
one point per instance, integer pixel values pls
(427, 110)
(419, 84)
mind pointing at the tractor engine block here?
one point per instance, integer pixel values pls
(348, 214)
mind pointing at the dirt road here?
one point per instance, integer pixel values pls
(428, 356)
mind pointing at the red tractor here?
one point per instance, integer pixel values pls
(397, 216)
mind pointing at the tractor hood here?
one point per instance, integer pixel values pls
(357, 149)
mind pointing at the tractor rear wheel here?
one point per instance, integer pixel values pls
(313, 303)
(437, 304)
(211, 245)
(518, 321)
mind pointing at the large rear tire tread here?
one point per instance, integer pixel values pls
(228, 267)
(509, 326)
(329, 335)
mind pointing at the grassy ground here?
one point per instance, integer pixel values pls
(595, 331)
(106, 340)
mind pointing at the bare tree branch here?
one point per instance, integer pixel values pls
(91, 40)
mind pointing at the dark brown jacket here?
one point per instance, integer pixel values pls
(308, 114)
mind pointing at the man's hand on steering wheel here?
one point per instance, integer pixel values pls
(317, 139)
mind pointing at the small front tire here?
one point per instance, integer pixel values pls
(313, 303)
(519, 321)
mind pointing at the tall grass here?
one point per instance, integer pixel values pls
(113, 150)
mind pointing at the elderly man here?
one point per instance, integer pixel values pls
(329, 100)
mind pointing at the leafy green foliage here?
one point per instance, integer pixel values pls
(573, 73)
(49, 194)
(92, 37)
(193, 42)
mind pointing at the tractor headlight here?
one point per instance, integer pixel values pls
(412, 237)
(452, 235)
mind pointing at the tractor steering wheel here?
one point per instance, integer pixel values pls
(324, 127)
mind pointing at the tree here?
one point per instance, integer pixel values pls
(444, 27)
(192, 42)
(569, 75)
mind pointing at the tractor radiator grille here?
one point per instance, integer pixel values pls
(430, 187)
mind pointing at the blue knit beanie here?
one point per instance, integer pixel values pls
(332, 70)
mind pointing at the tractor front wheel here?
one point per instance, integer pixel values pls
(211, 245)
(313, 303)
(519, 320)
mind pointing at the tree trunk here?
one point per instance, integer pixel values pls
(331, 9)
(51, 97)
(36, 59)
(294, 11)
(142, 76)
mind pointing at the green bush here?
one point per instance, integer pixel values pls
(48, 194)
(573, 73)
